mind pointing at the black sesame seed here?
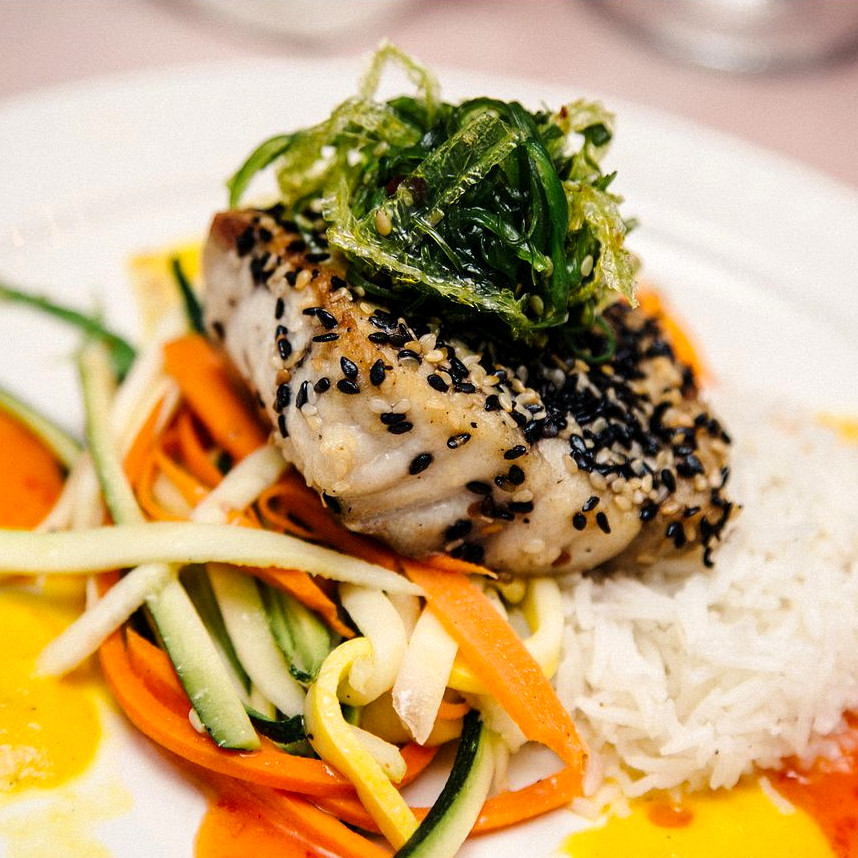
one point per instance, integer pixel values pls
(311, 311)
(376, 373)
(331, 503)
(291, 277)
(330, 337)
(317, 257)
(579, 521)
(515, 475)
(378, 337)
(668, 479)
(322, 385)
(437, 383)
(389, 418)
(602, 521)
(521, 506)
(515, 452)
(469, 552)
(592, 503)
(279, 308)
(419, 463)
(458, 370)
(326, 320)
(284, 396)
(648, 512)
(284, 347)
(576, 442)
(690, 511)
(337, 282)
(400, 428)
(408, 354)
(478, 488)
(281, 425)
(296, 245)
(464, 387)
(492, 402)
(349, 368)
(265, 234)
(676, 532)
(458, 529)
(455, 441)
(244, 242)
(346, 385)
(303, 394)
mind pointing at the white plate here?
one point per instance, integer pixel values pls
(759, 255)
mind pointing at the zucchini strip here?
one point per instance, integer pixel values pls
(422, 678)
(183, 634)
(379, 621)
(101, 549)
(450, 820)
(84, 636)
(246, 623)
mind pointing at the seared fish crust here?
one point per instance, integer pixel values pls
(435, 440)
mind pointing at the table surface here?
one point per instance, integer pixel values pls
(810, 116)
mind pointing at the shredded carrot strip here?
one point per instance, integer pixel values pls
(268, 766)
(683, 347)
(144, 489)
(302, 586)
(154, 667)
(454, 564)
(30, 479)
(302, 823)
(499, 658)
(448, 711)
(204, 379)
(500, 811)
(294, 507)
(141, 448)
(190, 488)
(194, 454)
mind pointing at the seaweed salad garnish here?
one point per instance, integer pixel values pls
(483, 211)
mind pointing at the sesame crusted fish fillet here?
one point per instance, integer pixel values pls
(433, 440)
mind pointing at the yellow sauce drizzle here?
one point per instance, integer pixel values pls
(739, 822)
(49, 727)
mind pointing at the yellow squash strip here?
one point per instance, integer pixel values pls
(335, 742)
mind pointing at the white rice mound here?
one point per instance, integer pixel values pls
(693, 677)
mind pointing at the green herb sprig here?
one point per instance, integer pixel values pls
(478, 209)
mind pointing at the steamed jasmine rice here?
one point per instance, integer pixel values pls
(692, 677)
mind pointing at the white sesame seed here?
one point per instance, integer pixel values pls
(586, 265)
(433, 356)
(303, 279)
(523, 496)
(505, 400)
(383, 224)
(622, 502)
(533, 546)
(378, 405)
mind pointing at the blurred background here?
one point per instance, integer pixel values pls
(778, 73)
